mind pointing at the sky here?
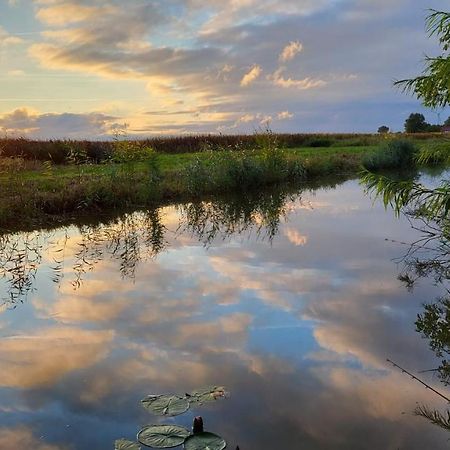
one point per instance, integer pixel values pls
(80, 69)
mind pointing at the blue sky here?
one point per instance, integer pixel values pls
(77, 68)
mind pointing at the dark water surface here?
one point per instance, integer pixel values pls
(292, 303)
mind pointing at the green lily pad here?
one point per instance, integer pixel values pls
(166, 405)
(162, 436)
(123, 444)
(204, 441)
(208, 394)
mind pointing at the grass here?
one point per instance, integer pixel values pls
(41, 192)
(60, 151)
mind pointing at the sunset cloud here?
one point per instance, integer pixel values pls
(303, 84)
(6, 39)
(290, 51)
(251, 76)
(214, 62)
(32, 123)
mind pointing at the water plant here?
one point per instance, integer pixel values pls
(170, 435)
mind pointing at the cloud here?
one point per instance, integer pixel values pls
(290, 51)
(22, 437)
(16, 72)
(197, 62)
(303, 84)
(6, 39)
(68, 13)
(34, 124)
(54, 353)
(251, 76)
(285, 115)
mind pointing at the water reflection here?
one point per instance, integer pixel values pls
(295, 314)
(426, 257)
(134, 238)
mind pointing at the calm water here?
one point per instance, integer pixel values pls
(292, 303)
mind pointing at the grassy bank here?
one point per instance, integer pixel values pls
(136, 176)
(60, 151)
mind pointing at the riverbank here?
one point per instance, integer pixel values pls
(41, 193)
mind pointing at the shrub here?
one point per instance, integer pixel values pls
(392, 154)
(318, 142)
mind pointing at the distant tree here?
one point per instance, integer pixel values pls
(447, 123)
(434, 128)
(415, 123)
(383, 129)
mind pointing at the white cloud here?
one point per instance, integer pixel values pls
(285, 115)
(302, 84)
(290, 51)
(251, 76)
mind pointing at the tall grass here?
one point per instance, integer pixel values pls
(60, 151)
(242, 170)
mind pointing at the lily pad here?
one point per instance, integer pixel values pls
(123, 444)
(162, 436)
(208, 394)
(166, 405)
(204, 441)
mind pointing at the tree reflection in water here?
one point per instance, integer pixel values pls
(428, 210)
(131, 239)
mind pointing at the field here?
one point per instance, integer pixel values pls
(78, 177)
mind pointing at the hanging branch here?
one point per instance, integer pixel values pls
(419, 380)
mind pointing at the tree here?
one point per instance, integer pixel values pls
(383, 129)
(433, 86)
(415, 123)
(447, 123)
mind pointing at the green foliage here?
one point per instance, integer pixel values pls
(433, 204)
(416, 123)
(383, 129)
(435, 417)
(316, 142)
(76, 155)
(392, 154)
(166, 405)
(204, 441)
(434, 153)
(162, 436)
(123, 444)
(433, 86)
(208, 394)
(168, 436)
(434, 324)
(240, 169)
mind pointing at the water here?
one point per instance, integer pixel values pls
(291, 302)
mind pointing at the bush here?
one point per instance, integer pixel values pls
(318, 142)
(393, 154)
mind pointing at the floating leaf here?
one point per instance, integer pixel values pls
(166, 405)
(162, 436)
(204, 441)
(208, 394)
(123, 444)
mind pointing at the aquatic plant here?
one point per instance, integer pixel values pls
(170, 435)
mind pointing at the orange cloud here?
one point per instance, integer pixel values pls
(45, 357)
(251, 76)
(21, 437)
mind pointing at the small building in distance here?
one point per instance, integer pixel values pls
(445, 129)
